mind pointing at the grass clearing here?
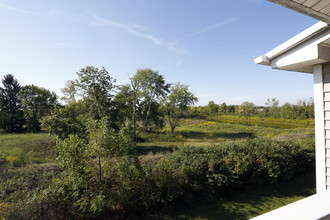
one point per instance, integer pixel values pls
(21, 149)
(246, 204)
(201, 132)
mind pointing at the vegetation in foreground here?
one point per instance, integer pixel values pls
(89, 185)
(104, 132)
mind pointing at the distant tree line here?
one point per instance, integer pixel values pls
(303, 109)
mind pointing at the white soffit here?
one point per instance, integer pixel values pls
(318, 9)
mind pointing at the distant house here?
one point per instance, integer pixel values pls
(309, 52)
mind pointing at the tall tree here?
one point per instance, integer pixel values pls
(94, 92)
(148, 88)
(177, 103)
(11, 116)
(36, 103)
(96, 88)
(247, 108)
(69, 91)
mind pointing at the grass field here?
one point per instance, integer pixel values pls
(27, 164)
(21, 149)
(202, 132)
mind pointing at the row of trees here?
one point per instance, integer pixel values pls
(147, 102)
(302, 110)
(21, 108)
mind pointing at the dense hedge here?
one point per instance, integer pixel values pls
(191, 172)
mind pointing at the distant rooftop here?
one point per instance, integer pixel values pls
(318, 9)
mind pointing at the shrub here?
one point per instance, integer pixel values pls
(101, 177)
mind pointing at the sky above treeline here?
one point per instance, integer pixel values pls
(207, 44)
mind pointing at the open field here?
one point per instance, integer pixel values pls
(204, 132)
(27, 165)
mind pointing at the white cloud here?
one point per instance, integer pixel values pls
(132, 29)
(15, 9)
(142, 28)
(211, 27)
(142, 31)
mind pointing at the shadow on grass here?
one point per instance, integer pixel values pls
(142, 150)
(246, 204)
(215, 135)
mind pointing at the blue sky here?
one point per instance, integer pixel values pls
(207, 44)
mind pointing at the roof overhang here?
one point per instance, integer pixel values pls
(318, 9)
(302, 52)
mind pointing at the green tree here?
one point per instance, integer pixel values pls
(66, 120)
(123, 107)
(69, 91)
(94, 90)
(223, 108)
(148, 88)
(247, 108)
(90, 174)
(272, 105)
(36, 103)
(11, 115)
(96, 87)
(212, 108)
(177, 103)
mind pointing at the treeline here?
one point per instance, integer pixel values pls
(303, 109)
(146, 103)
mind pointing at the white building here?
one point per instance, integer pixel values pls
(309, 52)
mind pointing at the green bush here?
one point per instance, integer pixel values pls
(257, 162)
(101, 178)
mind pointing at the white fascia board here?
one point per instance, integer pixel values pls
(306, 53)
(293, 42)
(262, 59)
(299, 38)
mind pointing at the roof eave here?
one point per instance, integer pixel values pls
(265, 59)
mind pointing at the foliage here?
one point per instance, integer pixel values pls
(11, 116)
(247, 108)
(92, 185)
(70, 119)
(96, 88)
(36, 103)
(69, 91)
(212, 108)
(148, 87)
(88, 176)
(177, 103)
(257, 162)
